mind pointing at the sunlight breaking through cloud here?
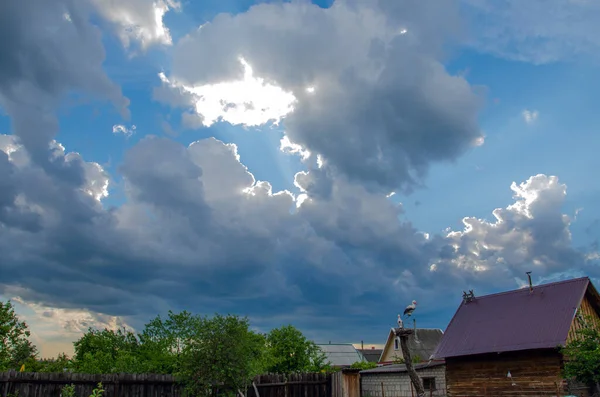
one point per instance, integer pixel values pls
(251, 101)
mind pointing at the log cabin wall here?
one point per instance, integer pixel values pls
(534, 373)
(585, 309)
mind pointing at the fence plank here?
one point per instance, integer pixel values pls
(28, 384)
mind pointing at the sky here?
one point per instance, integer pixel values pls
(317, 164)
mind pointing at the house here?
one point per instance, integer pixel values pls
(393, 380)
(422, 345)
(507, 343)
(372, 355)
(341, 355)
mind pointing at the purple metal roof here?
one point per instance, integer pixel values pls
(514, 320)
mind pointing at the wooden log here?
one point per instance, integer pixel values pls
(414, 377)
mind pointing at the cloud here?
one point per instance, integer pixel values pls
(538, 31)
(121, 129)
(371, 66)
(248, 101)
(47, 57)
(530, 116)
(139, 21)
(198, 231)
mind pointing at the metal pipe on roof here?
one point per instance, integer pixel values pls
(530, 283)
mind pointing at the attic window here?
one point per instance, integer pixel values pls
(396, 345)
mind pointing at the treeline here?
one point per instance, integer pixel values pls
(201, 351)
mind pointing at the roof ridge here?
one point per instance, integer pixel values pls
(512, 291)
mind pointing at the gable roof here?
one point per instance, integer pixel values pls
(422, 343)
(371, 355)
(515, 320)
(341, 354)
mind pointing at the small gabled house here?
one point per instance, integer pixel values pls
(508, 343)
(341, 355)
(421, 344)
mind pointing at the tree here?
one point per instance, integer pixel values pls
(107, 351)
(583, 354)
(15, 347)
(290, 351)
(163, 341)
(223, 355)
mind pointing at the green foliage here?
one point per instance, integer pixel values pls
(15, 347)
(97, 392)
(362, 365)
(223, 354)
(163, 341)
(107, 351)
(68, 391)
(583, 354)
(289, 351)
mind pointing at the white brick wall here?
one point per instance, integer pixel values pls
(398, 384)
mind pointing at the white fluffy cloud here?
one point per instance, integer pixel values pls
(138, 21)
(122, 129)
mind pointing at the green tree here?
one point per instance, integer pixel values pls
(107, 351)
(222, 356)
(15, 347)
(290, 351)
(583, 354)
(163, 341)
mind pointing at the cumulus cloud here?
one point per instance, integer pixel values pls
(46, 57)
(532, 234)
(248, 101)
(530, 116)
(139, 21)
(537, 31)
(355, 67)
(198, 231)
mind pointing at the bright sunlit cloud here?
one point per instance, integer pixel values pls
(251, 101)
(139, 21)
(54, 329)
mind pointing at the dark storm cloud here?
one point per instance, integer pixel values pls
(384, 107)
(197, 231)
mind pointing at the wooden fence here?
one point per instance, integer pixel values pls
(31, 384)
(294, 385)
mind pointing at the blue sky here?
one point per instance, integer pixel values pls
(186, 227)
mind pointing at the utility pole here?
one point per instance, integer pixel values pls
(404, 334)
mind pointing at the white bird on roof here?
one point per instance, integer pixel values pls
(410, 308)
(400, 323)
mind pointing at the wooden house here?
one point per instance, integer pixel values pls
(421, 344)
(508, 343)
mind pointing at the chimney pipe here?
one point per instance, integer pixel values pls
(530, 284)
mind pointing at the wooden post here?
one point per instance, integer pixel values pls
(414, 377)
(382, 390)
